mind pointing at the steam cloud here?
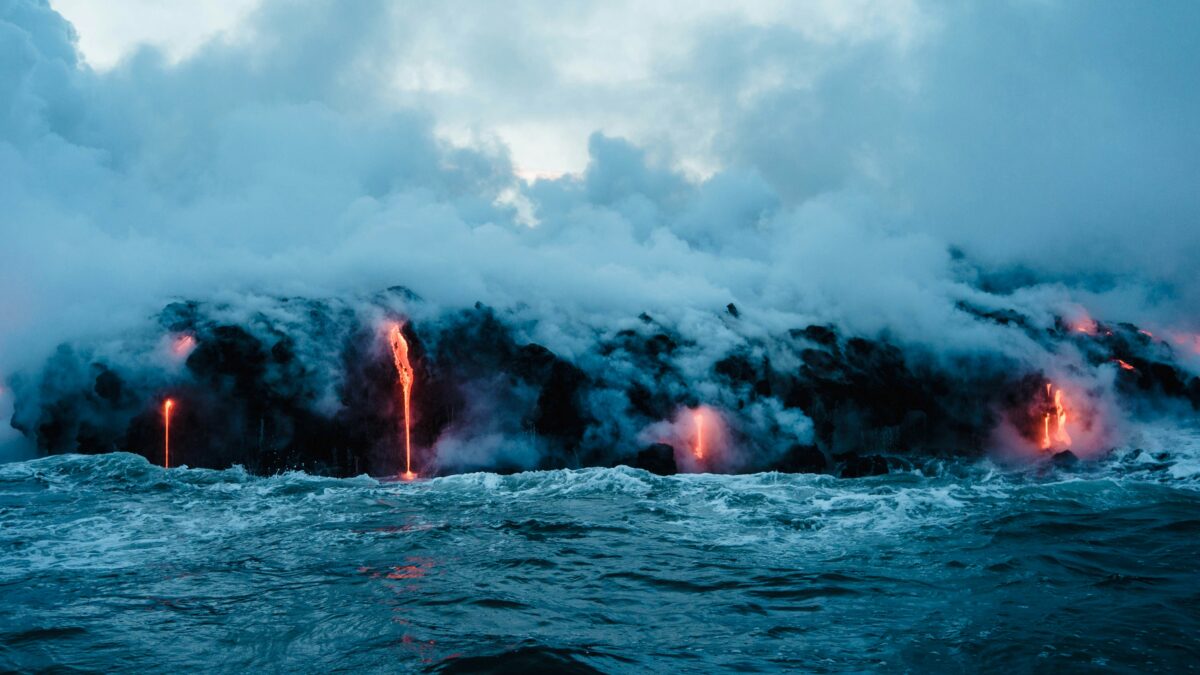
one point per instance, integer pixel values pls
(929, 205)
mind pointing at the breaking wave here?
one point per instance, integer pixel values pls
(598, 570)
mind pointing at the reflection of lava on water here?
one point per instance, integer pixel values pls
(408, 571)
(414, 569)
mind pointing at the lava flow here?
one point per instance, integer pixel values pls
(404, 373)
(183, 345)
(1060, 436)
(698, 420)
(167, 405)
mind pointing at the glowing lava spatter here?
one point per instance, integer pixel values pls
(404, 373)
(167, 406)
(698, 420)
(1060, 436)
(1124, 365)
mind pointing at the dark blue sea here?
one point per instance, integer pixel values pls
(111, 564)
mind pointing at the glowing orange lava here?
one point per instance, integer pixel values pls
(167, 406)
(698, 420)
(1124, 365)
(1084, 324)
(1061, 437)
(404, 373)
(183, 345)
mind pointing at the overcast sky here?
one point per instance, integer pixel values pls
(539, 76)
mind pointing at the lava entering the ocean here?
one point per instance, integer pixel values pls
(1058, 416)
(404, 374)
(167, 406)
(698, 421)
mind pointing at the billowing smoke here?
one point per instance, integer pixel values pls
(904, 231)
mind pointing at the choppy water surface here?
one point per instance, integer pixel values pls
(110, 563)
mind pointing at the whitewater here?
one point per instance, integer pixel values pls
(112, 563)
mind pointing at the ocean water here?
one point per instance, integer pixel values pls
(112, 564)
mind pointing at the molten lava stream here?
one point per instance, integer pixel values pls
(698, 420)
(404, 373)
(167, 405)
(1059, 415)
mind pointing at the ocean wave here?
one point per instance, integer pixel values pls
(487, 570)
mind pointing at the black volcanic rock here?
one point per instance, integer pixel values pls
(558, 412)
(179, 316)
(737, 368)
(533, 362)
(802, 458)
(109, 386)
(1004, 317)
(821, 335)
(311, 385)
(657, 459)
(231, 359)
(861, 466)
(870, 396)
(1065, 458)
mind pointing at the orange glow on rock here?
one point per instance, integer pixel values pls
(1084, 324)
(167, 406)
(405, 376)
(1187, 340)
